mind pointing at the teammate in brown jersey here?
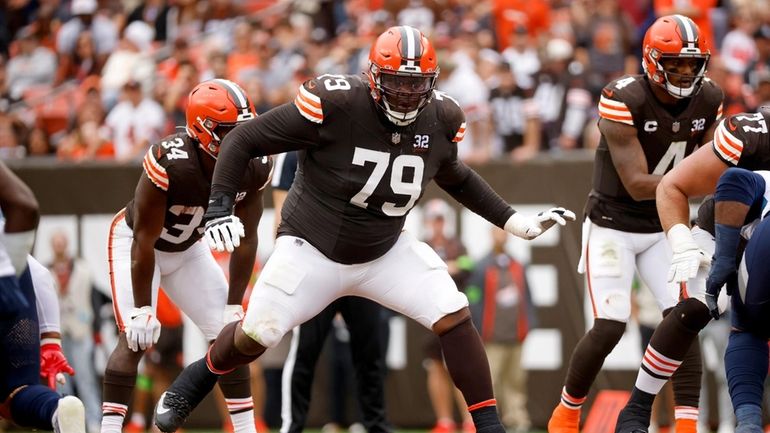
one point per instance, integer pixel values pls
(156, 241)
(368, 149)
(648, 124)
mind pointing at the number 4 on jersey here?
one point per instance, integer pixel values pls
(675, 154)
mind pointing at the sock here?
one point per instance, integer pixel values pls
(118, 388)
(686, 419)
(467, 363)
(138, 419)
(749, 418)
(484, 416)
(236, 387)
(33, 406)
(571, 402)
(588, 357)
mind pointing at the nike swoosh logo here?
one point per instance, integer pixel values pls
(609, 93)
(161, 408)
(730, 125)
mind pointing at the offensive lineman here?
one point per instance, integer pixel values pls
(154, 241)
(739, 141)
(369, 147)
(648, 124)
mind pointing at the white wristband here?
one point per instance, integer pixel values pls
(678, 235)
(50, 340)
(18, 245)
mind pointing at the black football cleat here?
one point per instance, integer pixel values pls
(187, 391)
(633, 419)
(171, 412)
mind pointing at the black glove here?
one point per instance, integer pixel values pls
(722, 272)
(220, 205)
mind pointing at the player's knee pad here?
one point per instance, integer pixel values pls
(746, 362)
(605, 334)
(614, 306)
(692, 314)
(266, 332)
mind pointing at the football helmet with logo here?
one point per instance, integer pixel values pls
(402, 73)
(214, 108)
(677, 39)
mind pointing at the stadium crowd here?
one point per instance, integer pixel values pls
(88, 79)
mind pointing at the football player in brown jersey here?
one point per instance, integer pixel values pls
(648, 124)
(369, 146)
(156, 241)
(742, 141)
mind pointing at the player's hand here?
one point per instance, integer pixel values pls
(232, 313)
(686, 257)
(53, 363)
(225, 233)
(722, 273)
(142, 329)
(532, 226)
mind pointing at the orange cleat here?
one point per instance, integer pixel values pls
(564, 420)
(468, 427)
(227, 427)
(443, 426)
(686, 425)
(260, 425)
(134, 427)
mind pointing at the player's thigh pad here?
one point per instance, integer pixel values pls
(610, 267)
(119, 256)
(652, 262)
(412, 280)
(297, 283)
(197, 285)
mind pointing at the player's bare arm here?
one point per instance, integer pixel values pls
(629, 160)
(695, 176)
(249, 210)
(19, 205)
(149, 215)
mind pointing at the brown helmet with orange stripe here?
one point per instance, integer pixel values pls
(674, 55)
(402, 73)
(214, 108)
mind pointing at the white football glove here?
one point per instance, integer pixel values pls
(224, 233)
(686, 256)
(142, 329)
(232, 313)
(530, 227)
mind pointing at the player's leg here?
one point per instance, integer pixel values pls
(746, 357)
(24, 400)
(297, 282)
(609, 267)
(365, 320)
(307, 341)
(413, 280)
(674, 350)
(197, 285)
(121, 371)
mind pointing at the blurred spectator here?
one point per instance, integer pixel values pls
(521, 54)
(562, 98)
(607, 38)
(243, 59)
(737, 98)
(418, 15)
(75, 284)
(84, 61)
(762, 89)
(135, 123)
(180, 54)
(698, 10)
(439, 220)
(153, 12)
(533, 15)
(86, 139)
(38, 143)
(502, 310)
(761, 63)
(33, 65)
(460, 81)
(86, 18)
(131, 61)
(184, 20)
(514, 116)
(738, 47)
(13, 135)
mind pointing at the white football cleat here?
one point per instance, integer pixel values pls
(70, 416)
